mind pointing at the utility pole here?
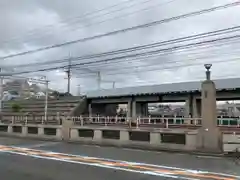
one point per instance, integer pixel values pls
(99, 80)
(78, 90)
(1, 91)
(46, 100)
(68, 71)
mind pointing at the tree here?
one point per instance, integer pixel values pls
(16, 107)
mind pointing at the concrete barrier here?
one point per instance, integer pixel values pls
(157, 139)
(53, 132)
(179, 139)
(231, 142)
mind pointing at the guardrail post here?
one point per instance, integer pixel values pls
(98, 119)
(167, 123)
(105, 121)
(58, 118)
(175, 119)
(26, 120)
(137, 123)
(81, 120)
(12, 119)
(42, 120)
(195, 121)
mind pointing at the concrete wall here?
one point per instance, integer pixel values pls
(140, 138)
(231, 142)
(161, 139)
(53, 132)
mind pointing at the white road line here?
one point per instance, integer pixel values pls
(209, 157)
(179, 154)
(42, 145)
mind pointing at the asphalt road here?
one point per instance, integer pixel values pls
(39, 160)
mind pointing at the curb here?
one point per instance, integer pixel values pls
(153, 149)
(133, 147)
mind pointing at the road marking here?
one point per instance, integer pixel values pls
(42, 145)
(158, 152)
(209, 157)
(150, 169)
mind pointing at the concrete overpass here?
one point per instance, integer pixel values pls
(137, 98)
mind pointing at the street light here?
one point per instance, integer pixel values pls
(208, 66)
(208, 72)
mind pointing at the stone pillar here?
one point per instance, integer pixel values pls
(124, 136)
(10, 129)
(66, 129)
(155, 138)
(24, 130)
(97, 135)
(209, 134)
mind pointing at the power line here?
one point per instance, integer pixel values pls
(158, 54)
(144, 66)
(79, 17)
(142, 47)
(156, 68)
(117, 17)
(138, 54)
(154, 23)
(156, 64)
(142, 55)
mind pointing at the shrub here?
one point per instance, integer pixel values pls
(16, 107)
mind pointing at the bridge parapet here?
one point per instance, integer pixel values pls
(110, 131)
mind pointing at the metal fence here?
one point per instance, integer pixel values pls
(161, 122)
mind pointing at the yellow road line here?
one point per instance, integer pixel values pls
(112, 163)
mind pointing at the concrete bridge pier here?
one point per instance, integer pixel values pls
(136, 109)
(196, 108)
(192, 107)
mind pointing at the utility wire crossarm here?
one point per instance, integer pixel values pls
(154, 23)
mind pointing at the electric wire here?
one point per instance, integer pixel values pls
(154, 23)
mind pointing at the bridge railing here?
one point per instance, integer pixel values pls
(168, 121)
(24, 120)
(139, 121)
(165, 122)
(100, 120)
(228, 122)
(161, 122)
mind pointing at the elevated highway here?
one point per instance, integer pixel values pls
(137, 98)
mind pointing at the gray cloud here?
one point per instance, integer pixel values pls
(34, 24)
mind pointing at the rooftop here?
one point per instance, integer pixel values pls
(221, 84)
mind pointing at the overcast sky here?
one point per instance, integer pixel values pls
(31, 24)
